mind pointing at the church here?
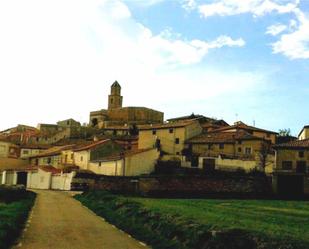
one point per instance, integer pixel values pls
(116, 115)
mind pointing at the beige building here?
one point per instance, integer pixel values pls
(304, 133)
(290, 177)
(228, 151)
(29, 150)
(118, 115)
(130, 163)
(51, 157)
(257, 132)
(170, 137)
(9, 150)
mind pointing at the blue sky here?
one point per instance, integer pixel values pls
(237, 60)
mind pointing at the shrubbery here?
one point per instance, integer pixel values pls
(167, 231)
(14, 209)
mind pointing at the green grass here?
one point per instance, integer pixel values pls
(190, 224)
(273, 218)
(13, 215)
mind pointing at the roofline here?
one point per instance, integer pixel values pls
(305, 127)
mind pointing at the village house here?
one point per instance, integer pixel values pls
(291, 168)
(51, 157)
(257, 132)
(27, 150)
(169, 137)
(304, 133)
(118, 115)
(9, 150)
(128, 163)
(206, 123)
(227, 151)
(107, 157)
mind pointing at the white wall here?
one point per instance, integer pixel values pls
(39, 180)
(62, 182)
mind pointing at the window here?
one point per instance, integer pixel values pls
(177, 141)
(177, 153)
(81, 158)
(268, 135)
(287, 165)
(100, 164)
(154, 132)
(36, 161)
(239, 141)
(221, 146)
(171, 130)
(239, 149)
(49, 160)
(26, 152)
(112, 101)
(209, 146)
(248, 151)
(301, 154)
(72, 156)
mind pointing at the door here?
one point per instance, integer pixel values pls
(209, 164)
(22, 178)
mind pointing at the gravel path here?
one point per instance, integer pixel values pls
(60, 222)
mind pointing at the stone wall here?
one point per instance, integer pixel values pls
(187, 186)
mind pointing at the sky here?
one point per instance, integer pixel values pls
(228, 59)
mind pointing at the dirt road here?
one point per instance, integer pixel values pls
(60, 222)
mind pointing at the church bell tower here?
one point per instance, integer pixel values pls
(115, 98)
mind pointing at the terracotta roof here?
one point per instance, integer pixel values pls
(35, 146)
(166, 125)
(53, 151)
(222, 137)
(244, 127)
(118, 156)
(296, 144)
(91, 145)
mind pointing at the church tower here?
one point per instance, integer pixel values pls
(115, 99)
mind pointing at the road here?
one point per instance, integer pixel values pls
(58, 221)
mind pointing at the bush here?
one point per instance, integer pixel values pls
(13, 214)
(167, 231)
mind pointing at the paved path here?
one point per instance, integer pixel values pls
(60, 222)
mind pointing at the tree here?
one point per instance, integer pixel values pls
(263, 153)
(285, 132)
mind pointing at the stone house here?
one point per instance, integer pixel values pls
(129, 163)
(28, 150)
(228, 151)
(257, 132)
(291, 174)
(9, 150)
(51, 157)
(169, 137)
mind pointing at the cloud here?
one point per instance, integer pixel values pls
(295, 45)
(255, 7)
(293, 37)
(276, 29)
(62, 57)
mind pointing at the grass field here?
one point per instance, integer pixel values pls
(272, 218)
